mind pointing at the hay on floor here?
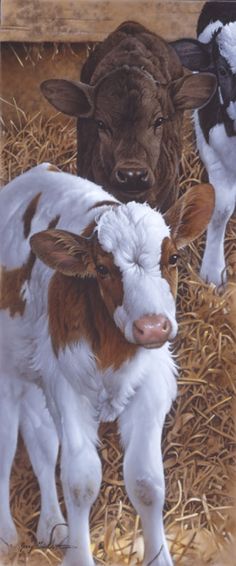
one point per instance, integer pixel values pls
(199, 438)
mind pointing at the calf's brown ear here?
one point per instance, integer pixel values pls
(193, 91)
(75, 99)
(65, 252)
(189, 216)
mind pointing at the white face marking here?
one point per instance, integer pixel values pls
(227, 44)
(206, 35)
(134, 233)
(231, 111)
(144, 295)
(220, 95)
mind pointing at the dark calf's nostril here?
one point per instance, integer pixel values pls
(144, 176)
(121, 177)
(132, 177)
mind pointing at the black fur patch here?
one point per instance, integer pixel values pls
(213, 11)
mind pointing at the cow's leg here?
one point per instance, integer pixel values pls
(223, 180)
(9, 423)
(41, 440)
(141, 429)
(80, 472)
(213, 262)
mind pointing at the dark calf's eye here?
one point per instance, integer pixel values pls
(222, 72)
(159, 121)
(102, 270)
(100, 125)
(173, 259)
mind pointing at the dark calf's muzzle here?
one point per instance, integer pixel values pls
(132, 180)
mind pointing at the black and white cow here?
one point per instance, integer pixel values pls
(215, 124)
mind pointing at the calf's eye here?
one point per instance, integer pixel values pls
(173, 259)
(100, 125)
(222, 72)
(102, 270)
(159, 121)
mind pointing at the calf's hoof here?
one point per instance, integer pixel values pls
(52, 532)
(8, 538)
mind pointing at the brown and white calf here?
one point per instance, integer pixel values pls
(87, 314)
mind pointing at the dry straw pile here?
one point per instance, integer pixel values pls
(199, 438)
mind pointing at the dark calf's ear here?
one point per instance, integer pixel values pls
(189, 216)
(193, 54)
(65, 252)
(75, 99)
(193, 91)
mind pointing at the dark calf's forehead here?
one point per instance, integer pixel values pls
(127, 96)
(146, 51)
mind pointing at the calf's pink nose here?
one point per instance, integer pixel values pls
(152, 330)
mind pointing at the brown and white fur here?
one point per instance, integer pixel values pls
(87, 314)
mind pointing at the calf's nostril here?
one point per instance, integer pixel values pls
(121, 177)
(138, 329)
(166, 325)
(132, 177)
(144, 176)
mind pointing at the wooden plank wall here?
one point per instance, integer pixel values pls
(70, 25)
(92, 20)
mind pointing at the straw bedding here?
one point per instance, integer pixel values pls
(199, 437)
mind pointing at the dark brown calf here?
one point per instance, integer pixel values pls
(130, 107)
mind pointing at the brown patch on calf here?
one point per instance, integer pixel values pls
(54, 222)
(11, 285)
(12, 280)
(169, 272)
(29, 214)
(104, 203)
(77, 311)
(89, 230)
(83, 294)
(110, 286)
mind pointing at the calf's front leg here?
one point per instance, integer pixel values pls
(9, 424)
(213, 262)
(141, 429)
(41, 440)
(80, 473)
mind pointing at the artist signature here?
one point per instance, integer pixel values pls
(41, 545)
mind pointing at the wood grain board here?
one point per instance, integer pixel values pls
(92, 20)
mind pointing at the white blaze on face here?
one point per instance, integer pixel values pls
(227, 44)
(231, 111)
(220, 95)
(206, 35)
(134, 233)
(226, 40)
